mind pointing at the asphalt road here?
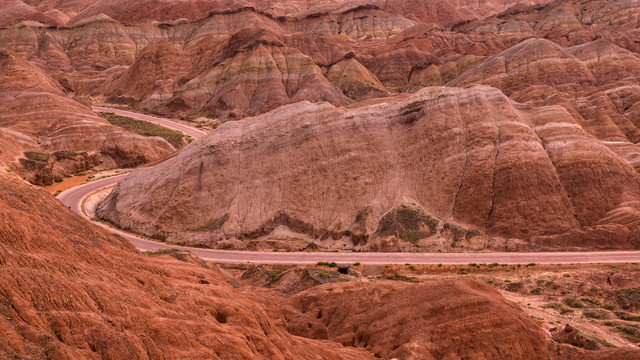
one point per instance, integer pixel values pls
(73, 199)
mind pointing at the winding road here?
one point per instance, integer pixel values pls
(73, 198)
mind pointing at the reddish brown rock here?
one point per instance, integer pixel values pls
(392, 169)
(440, 320)
(63, 136)
(531, 62)
(71, 290)
(259, 72)
(355, 80)
(158, 65)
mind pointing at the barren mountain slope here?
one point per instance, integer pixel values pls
(46, 134)
(443, 168)
(73, 291)
(70, 290)
(73, 11)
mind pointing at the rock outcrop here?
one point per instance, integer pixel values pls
(71, 290)
(440, 320)
(258, 73)
(439, 169)
(46, 134)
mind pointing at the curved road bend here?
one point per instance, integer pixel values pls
(73, 199)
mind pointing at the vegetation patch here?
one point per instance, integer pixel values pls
(37, 156)
(514, 287)
(592, 302)
(145, 128)
(628, 298)
(159, 252)
(408, 224)
(574, 303)
(212, 225)
(121, 100)
(628, 331)
(626, 316)
(596, 314)
(562, 309)
(324, 263)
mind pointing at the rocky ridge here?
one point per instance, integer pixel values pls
(46, 134)
(440, 169)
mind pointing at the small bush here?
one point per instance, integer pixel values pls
(332, 264)
(356, 264)
(58, 180)
(58, 192)
(626, 316)
(596, 314)
(574, 303)
(566, 275)
(559, 307)
(631, 332)
(594, 302)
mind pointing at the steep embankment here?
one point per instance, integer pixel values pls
(445, 167)
(46, 134)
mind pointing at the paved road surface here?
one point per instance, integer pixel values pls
(73, 199)
(191, 131)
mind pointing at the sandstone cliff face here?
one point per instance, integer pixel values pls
(406, 173)
(46, 134)
(72, 291)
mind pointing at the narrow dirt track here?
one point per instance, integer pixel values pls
(74, 196)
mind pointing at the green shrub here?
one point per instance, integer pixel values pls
(159, 252)
(574, 303)
(629, 331)
(593, 302)
(559, 307)
(595, 314)
(626, 316)
(58, 180)
(356, 264)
